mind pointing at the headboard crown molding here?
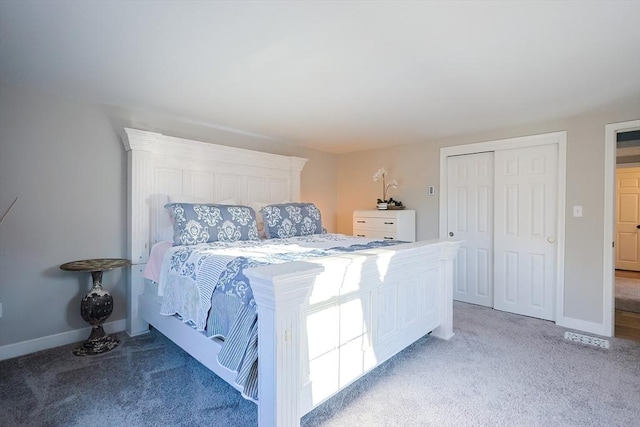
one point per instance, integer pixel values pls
(140, 140)
(297, 163)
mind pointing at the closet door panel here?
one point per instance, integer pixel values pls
(525, 230)
(470, 219)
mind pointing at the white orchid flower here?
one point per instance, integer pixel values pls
(380, 173)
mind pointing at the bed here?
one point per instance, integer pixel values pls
(322, 322)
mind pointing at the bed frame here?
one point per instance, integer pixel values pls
(322, 324)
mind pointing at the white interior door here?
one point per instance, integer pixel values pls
(627, 243)
(525, 230)
(470, 219)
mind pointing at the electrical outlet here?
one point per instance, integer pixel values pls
(432, 190)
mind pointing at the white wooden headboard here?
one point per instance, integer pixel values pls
(161, 165)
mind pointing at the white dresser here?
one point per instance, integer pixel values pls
(389, 224)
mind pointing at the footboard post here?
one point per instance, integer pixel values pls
(280, 290)
(448, 254)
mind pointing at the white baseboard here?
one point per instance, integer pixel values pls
(583, 325)
(10, 351)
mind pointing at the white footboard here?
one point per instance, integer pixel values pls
(325, 323)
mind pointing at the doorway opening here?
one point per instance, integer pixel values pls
(611, 144)
(626, 282)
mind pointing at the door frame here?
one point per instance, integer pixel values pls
(608, 268)
(558, 138)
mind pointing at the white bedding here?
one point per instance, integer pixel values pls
(190, 297)
(195, 278)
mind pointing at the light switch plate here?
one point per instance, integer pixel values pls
(577, 211)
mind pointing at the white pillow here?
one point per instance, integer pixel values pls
(164, 234)
(257, 206)
(228, 202)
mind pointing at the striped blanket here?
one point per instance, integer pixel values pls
(206, 286)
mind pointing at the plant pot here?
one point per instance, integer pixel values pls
(382, 206)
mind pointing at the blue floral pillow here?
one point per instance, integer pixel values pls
(291, 219)
(202, 223)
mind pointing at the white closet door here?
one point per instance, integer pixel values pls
(628, 218)
(525, 230)
(470, 219)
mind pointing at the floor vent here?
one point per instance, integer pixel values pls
(585, 339)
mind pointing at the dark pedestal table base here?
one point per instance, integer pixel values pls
(96, 306)
(96, 346)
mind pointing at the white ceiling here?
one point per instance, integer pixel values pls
(335, 76)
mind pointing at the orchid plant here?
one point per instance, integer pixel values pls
(381, 175)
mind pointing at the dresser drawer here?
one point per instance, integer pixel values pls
(376, 234)
(386, 224)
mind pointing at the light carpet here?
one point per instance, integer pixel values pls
(500, 369)
(628, 294)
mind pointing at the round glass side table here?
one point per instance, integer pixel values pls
(97, 305)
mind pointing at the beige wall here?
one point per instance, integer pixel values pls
(65, 162)
(417, 166)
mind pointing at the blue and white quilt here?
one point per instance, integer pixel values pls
(206, 286)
